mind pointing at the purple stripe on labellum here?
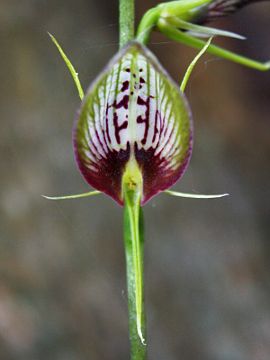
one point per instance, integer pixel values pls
(146, 119)
(133, 111)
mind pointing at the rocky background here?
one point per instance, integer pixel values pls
(62, 270)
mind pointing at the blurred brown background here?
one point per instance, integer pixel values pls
(62, 271)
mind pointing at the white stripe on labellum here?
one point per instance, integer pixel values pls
(133, 109)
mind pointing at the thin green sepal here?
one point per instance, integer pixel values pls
(192, 64)
(68, 197)
(194, 196)
(201, 30)
(70, 67)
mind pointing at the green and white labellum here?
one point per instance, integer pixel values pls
(133, 117)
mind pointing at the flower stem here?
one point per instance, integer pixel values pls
(134, 241)
(126, 21)
(133, 220)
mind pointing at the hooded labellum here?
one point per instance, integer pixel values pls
(133, 112)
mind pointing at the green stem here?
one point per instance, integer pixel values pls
(134, 241)
(133, 219)
(126, 21)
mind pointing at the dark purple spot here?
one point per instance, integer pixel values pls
(142, 81)
(125, 86)
(140, 70)
(128, 70)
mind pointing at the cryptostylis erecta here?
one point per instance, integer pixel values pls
(133, 135)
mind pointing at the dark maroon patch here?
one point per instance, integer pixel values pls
(156, 177)
(108, 177)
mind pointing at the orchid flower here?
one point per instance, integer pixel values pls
(134, 125)
(133, 134)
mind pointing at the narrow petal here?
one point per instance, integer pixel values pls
(70, 67)
(68, 197)
(133, 111)
(195, 196)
